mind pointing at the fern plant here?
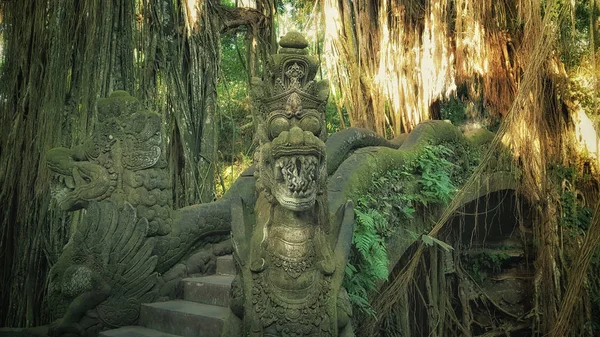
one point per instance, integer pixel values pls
(368, 262)
(385, 208)
(436, 172)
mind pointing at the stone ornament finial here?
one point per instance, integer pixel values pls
(289, 90)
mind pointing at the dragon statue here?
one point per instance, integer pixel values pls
(120, 176)
(287, 219)
(122, 161)
(290, 258)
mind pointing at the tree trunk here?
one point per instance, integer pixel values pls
(60, 56)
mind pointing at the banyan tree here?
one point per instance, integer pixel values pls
(524, 69)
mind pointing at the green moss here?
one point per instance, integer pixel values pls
(480, 265)
(418, 186)
(391, 187)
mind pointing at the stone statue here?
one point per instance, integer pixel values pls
(290, 258)
(122, 161)
(290, 250)
(105, 272)
(121, 170)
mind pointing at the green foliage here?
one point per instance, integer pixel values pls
(478, 266)
(466, 113)
(332, 117)
(578, 51)
(393, 200)
(594, 286)
(454, 110)
(574, 214)
(436, 171)
(575, 217)
(228, 3)
(370, 264)
(574, 36)
(234, 122)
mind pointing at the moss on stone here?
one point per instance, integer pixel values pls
(293, 40)
(356, 175)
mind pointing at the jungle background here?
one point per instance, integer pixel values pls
(525, 69)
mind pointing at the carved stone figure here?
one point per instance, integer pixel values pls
(290, 258)
(121, 169)
(132, 247)
(122, 161)
(123, 166)
(105, 272)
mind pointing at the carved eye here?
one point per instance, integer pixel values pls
(312, 124)
(278, 125)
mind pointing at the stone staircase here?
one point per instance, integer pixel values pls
(201, 312)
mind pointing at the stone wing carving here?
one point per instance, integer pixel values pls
(130, 269)
(106, 270)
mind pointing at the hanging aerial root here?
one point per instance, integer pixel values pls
(577, 276)
(530, 155)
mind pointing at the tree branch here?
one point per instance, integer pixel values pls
(234, 18)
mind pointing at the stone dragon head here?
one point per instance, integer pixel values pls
(289, 112)
(126, 138)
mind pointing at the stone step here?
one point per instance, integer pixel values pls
(134, 331)
(17, 332)
(225, 265)
(213, 289)
(184, 318)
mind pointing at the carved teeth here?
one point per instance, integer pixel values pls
(68, 181)
(299, 173)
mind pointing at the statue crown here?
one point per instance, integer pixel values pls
(291, 73)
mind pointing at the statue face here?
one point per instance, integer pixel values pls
(295, 158)
(290, 111)
(82, 181)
